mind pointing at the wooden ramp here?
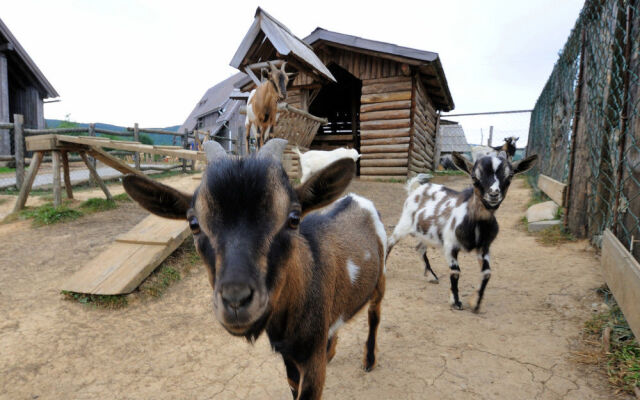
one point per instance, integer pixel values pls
(122, 267)
(126, 263)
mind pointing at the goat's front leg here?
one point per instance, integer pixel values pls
(483, 260)
(313, 373)
(451, 254)
(293, 376)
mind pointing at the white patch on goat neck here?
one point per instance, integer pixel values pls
(367, 255)
(495, 162)
(335, 326)
(353, 270)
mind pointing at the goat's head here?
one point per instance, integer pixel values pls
(491, 175)
(279, 78)
(244, 218)
(511, 140)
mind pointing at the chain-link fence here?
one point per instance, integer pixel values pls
(586, 123)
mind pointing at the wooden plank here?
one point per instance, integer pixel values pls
(384, 97)
(95, 178)
(28, 181)
(384, 148)
(385, 124)
(41, 143)
(67, 178)
(382, 178)
(57, 189)
(112, 161)
(383, 115)
(552, 188)
(158, 231)
(380, 133)
(390, 105)
(384, 162)
(366, 82)
(622, 274)
(386, 87)
(395, 140)
(396, 154)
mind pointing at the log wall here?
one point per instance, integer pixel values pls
(423, 130)
(385, 127)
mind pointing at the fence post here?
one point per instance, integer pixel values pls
(92, 133)
(574, 129)
(136, 138)
(490, 140)
(18, 135)
(623, 120)
(185, 144)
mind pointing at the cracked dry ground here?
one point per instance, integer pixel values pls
(518, 347)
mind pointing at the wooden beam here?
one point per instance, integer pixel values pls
(552, 188)
(622, 274)
(28, 182)
(57, 189)
(95, 177)
(18, 135)
(112, 161)
(385, 97)
(390, 105)
(67, 177)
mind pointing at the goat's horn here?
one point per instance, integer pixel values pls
(282, 66)
(273, 148)
(214, 151)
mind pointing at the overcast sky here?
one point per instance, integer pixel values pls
(150, 61)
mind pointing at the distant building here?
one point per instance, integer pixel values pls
(23, 87)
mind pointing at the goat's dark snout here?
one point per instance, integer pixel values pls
(236, 295)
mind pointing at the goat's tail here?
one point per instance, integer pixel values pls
(420, 179)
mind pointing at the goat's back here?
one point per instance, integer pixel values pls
(348, 242)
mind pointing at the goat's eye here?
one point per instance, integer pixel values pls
(194, 225)
(294, 219)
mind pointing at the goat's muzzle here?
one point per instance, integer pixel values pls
(237, 306)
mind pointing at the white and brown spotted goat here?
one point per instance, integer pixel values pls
(442, 217)
(262, 105)
(274, 265)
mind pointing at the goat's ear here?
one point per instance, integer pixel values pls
(462, 163)
(326, 185)
(157, 198)
(214, 151)
(274, 149)
(525, 164)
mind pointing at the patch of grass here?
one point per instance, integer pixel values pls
(47, 214)
(2, 201)
(554, 236)
(391, 180)
(5, 170)
(122, 198)
(622, 360)
(537, 196)
(96, 205)
(114, 302)
(173, 269)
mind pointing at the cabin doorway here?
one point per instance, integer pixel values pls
(340, 104)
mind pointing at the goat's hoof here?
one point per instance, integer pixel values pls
(369, 364)
(435, 281)
(475, 309)
(457, 306)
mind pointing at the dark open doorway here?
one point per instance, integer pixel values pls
(340, 104)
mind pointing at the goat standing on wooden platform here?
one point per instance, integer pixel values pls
(442, 217)
(262, 106)
(273, 264)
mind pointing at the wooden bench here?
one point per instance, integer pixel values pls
(552, 188)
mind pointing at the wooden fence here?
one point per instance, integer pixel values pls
(19, 133)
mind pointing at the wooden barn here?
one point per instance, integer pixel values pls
(382, 99)
(23, 87)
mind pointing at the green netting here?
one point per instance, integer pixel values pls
(604, 107)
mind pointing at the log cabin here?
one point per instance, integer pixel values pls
(23, 88)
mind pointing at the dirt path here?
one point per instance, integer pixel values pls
(518, 347)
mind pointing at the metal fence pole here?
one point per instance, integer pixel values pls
(18, 135)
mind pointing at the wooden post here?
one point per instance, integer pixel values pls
(92, 133)
(18, 134)
(437, 145)
(94, 175)
(185, 144)
(26, 187)
(57, 187)
(67, 176)
(490, 140)
(136, 137)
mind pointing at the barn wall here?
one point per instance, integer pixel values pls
(385, 122)
(423, 130)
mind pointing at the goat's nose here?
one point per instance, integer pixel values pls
(236, 295)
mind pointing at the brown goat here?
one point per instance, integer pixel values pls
(273, 264)
(262, 106)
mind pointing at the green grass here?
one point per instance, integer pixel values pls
(177, 265)
(47, 214)
(391, 180)
(5, 170)
(100, 301)
(622, 361)
(96, 205)
(122, 198)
